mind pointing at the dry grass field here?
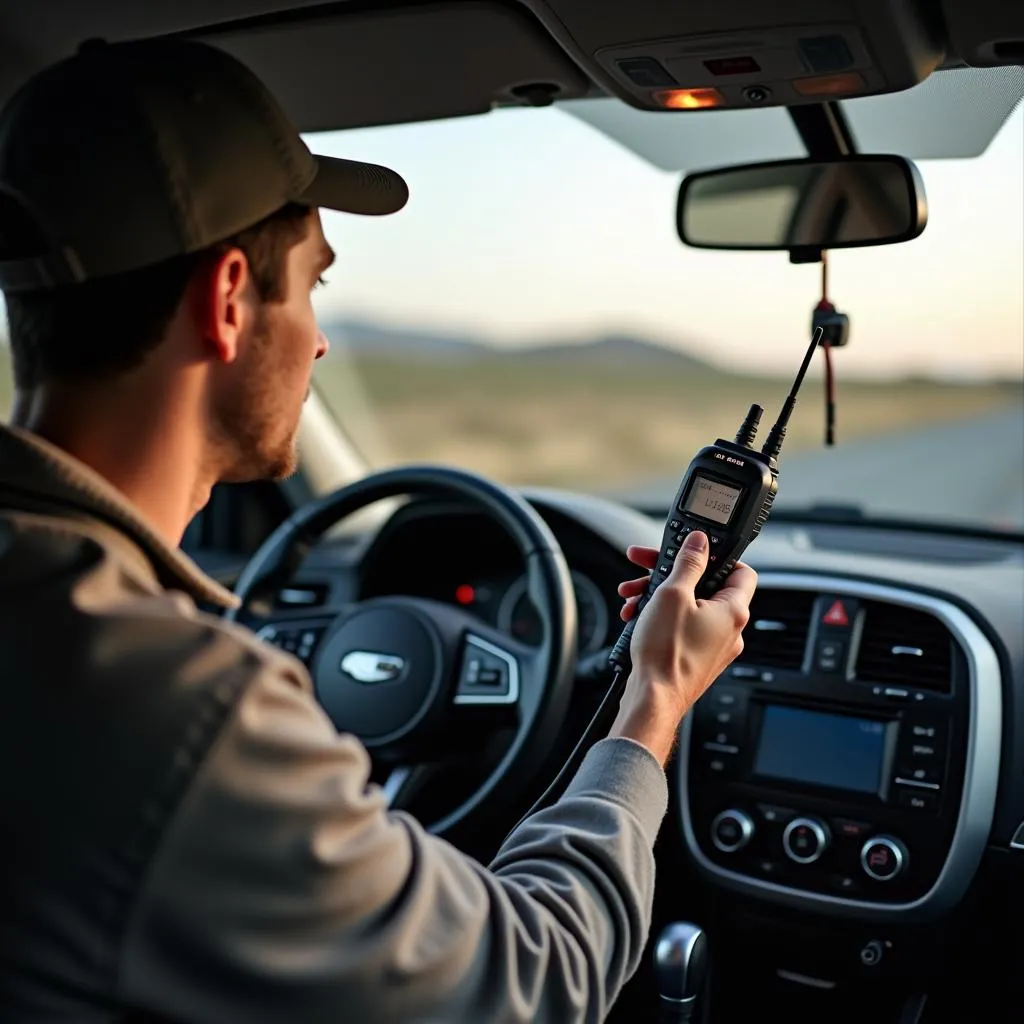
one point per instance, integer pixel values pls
(604, 427)
(565, 422)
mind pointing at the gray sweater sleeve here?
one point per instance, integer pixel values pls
(283, 889)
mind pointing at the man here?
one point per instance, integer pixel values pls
(185, 835)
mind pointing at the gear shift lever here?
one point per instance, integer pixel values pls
(680, 969)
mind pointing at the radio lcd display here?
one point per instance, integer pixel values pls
(821, 749)
(712, 500)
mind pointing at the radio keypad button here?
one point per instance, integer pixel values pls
(830, 655)
(917, 799)
(926, 731)
(724, 698)
(776, 815)
(722, 765)
(843, 884)
(923, 737)
(929, 774)
(851, 829)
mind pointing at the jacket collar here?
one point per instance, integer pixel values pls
(34, 468)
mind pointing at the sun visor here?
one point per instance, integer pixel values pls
(986, 33)
(405, 64)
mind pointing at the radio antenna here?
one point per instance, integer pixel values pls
(773, 444)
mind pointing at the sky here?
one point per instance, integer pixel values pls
(531, 225)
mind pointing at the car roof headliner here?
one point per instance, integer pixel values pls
(358, 63)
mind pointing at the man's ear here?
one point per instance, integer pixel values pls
(225, 302)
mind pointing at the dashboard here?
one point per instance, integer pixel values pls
(463, 559)
(857, 772)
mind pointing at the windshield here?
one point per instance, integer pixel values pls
(532, 315)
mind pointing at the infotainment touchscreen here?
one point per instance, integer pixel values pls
(821, 749)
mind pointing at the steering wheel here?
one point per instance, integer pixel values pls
(412, 677)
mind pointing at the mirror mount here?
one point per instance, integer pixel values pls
(806, 254)
(823, 129)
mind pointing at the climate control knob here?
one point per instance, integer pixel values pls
(731, 830)
(805, 840)
(883, 858)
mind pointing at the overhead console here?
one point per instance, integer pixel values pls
(849, 761)
(741, 55)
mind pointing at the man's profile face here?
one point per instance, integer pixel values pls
(258, 402)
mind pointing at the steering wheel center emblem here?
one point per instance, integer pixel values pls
(372, 667)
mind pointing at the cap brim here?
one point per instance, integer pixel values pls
(354, 187)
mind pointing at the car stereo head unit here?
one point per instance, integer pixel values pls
(814, 785)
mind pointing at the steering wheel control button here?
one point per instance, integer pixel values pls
(883, 858)
(731, 831)
(805, 840)
(489, 675)
(300, 641)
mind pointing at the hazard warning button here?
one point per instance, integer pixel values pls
(836, 615)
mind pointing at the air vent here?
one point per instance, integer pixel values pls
(776, 635)
(905, 647)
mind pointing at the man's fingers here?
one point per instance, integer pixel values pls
(739, 585)
(630, 588)
(629, 609)
(691, 561)
(645, 557)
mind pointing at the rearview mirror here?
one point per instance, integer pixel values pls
(803, 204)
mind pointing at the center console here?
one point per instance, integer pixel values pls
(848, 761)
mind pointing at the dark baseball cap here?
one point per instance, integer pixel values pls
(128, 154)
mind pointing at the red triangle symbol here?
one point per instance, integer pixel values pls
(836, 615)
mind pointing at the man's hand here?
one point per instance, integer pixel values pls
(680, 644)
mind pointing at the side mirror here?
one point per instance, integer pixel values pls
(803, 206)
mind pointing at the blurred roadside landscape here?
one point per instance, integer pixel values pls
(604, 414)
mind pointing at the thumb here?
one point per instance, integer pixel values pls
(691, 561)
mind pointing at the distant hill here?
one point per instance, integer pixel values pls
(366, 339)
